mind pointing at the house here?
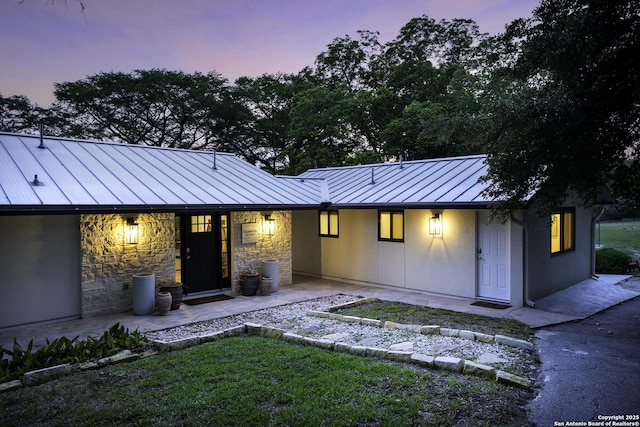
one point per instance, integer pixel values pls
(426, 225)
(79, 218)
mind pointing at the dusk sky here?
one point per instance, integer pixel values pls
(43, 42)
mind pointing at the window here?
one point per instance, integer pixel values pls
(563, 231)
(201, 224)
(329, 223)
(391, 226)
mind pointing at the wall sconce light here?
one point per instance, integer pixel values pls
(131, 232)
(268, 225)
(435, 225)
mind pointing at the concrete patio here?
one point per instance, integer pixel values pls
(577, 302)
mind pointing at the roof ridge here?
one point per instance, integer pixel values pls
(397, 163)
(114, 143)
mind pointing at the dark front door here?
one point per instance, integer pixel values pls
(204, 252)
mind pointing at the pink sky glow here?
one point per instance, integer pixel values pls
(43, 42)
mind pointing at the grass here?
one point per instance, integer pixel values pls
(249, 381)
(419, 315)
(621, 235)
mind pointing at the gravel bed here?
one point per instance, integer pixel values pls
(293, 318)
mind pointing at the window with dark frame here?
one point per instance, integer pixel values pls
(391, 226)
(329, 223)
(563, 230)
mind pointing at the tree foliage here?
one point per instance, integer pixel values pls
(553, 101)
(568, 121)
(17, 114)
(151, 107)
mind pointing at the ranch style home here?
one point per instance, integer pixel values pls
(79, 218)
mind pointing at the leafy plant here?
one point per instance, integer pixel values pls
(613, 261)
(18, 360)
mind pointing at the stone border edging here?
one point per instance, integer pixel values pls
(454, 364)
(41, 376)
(418, 329)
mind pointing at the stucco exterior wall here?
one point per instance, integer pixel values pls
(108, 264)
(549, 273)
(39, 268)
(250, 255)
(306, 253)
(444, 264)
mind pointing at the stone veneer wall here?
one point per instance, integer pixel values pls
(108, 264)
(251, 255)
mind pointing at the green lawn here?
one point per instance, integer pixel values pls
(256, 381)
(419, 315)
(620, 235)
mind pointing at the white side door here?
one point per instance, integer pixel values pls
(493, 259)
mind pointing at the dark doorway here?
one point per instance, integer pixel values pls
(204, 251)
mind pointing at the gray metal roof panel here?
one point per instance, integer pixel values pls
(451, 181)
(93, 174)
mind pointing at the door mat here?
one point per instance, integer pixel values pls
(491, 305)
(204, 300)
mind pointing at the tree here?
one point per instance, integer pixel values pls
(17, 114)
(152, 107)
(267, 129)
(568, 117)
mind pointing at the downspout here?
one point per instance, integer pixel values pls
(593, 244)
(525, 254)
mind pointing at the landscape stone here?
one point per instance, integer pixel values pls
(321, 343)
(488, 358)
(370, 322)
(402, 346)
(342, 347)
(430, 330)
(447, 332)
(423, 359)
(126, 356)
(399, 356)
(478, 369)
(444, 348)
(292, 338)
(513, 342)
(10, 385)
(359, 350)
(468, 335)
(268, 331)
(43, 375)
(454, 364)
(369, 341)
(336, 336)
(490, 339)
(351, 319)
(512, 380)
(377, 352)
(253, 328)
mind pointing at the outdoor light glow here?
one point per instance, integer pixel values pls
(435, 225)
(268, 226)
(131, 232)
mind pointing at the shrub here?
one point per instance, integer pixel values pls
(612, 261)
(15, 362)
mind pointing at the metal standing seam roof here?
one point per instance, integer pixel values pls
(81, 175)
(450, 181)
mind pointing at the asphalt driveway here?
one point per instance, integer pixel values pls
(590, 369)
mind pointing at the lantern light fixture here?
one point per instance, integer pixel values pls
(268, 225)
(131, 232)
(435, 225)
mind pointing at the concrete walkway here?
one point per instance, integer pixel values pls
(578, 302)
